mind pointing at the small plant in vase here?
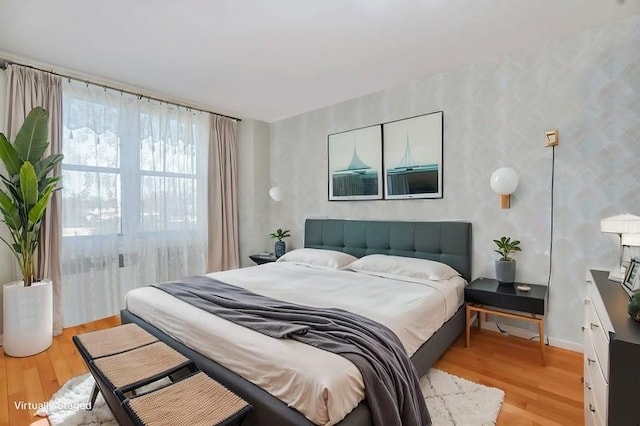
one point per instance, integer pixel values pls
(280, 246)
(506, 265)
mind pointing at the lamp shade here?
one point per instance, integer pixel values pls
(621, 224)
(275, 193)
(504, 181)
(630, 240)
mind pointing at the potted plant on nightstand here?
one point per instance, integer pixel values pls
(506, 265)
(280, 246)
(28, 304)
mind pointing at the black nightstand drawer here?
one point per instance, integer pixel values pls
(259, 259)
(486, 291)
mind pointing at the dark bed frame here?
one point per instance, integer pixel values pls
(446, 242)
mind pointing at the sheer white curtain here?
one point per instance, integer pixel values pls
(134, 198)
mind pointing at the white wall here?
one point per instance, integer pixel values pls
(253, 183)
(496, 113)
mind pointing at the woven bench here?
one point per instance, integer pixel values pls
(97, 344)
(124, 360)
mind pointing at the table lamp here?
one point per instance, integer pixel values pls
(626, 226)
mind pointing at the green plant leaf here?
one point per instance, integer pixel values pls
(31, 140)
(9, 156)
(10, 212)
(5, 202)
(37, 211)
(46, 182)
(28, 184)
(12, 219)
(47, 164)
(12, 187)
(506, 246)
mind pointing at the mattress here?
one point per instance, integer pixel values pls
(321, 385)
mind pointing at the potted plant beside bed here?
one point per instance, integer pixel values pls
(506, 265)
(28, 303)
(280, 246)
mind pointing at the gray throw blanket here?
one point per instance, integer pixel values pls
(391, 382)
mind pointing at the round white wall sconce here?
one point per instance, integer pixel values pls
(504, 182)
(276, 193)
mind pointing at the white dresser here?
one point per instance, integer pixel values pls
(611, 355)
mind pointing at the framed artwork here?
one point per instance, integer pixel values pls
(631, 281)
(355, 164)
(413, 157)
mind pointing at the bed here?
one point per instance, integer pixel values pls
(446, 242)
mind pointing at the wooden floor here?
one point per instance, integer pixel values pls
(534, 395)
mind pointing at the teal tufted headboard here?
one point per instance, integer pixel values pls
(446, 242)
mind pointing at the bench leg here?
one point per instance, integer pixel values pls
(93, 397)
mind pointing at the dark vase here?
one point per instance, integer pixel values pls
(280, 248)
(634, 306)
(505, 271)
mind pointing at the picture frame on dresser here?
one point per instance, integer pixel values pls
(631, 281)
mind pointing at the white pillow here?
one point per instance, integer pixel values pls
(330, 259)
(404, 267)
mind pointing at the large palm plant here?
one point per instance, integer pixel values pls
(27, 187)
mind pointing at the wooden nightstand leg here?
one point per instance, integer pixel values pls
(541, 331)
(479, 321)
(468, 326)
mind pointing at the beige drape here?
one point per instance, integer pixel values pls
(223, 250)
(29, 88)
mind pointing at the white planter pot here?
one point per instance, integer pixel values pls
(27, 318)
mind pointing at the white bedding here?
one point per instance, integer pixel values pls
(323, 386)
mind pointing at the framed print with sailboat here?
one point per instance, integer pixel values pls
(355, 164)
(413, 157)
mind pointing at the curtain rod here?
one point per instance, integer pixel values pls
(5, 63)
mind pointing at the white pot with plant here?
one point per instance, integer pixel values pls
(27, 304)
(506, 265)
(280, 247)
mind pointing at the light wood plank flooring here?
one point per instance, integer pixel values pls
(534, 395)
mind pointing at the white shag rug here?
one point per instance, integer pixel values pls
(451, 401)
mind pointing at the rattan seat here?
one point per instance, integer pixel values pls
(194, 401)
(140, 364)
(112, 341)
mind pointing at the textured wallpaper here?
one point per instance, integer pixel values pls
(495, 114)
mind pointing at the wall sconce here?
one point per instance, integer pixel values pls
(504, 182)
(276, 193)
(627, 226)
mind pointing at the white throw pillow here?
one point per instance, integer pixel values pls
(330, 259)
(399, 266)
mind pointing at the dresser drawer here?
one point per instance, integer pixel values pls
(596, 387)
(597, 336)
(594, 295)
(590, 411)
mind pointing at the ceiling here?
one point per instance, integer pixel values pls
(273, 59)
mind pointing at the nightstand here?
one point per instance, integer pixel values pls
(485, 296)
(259, 259)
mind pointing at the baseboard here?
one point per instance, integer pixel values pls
(566, 344)
(532, 335)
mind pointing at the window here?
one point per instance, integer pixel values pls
(92, 195)
(129, 170)
(134, 181)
